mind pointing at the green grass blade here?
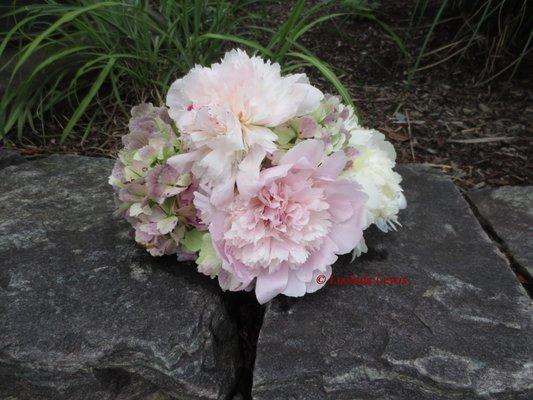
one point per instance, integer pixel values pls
(426, 40)
(284, 37)
(55, 57)
(236, 39)
(399, 42)
(330, 76)
(10, 34)
(64, 19)
(317, 21)
(87, 99)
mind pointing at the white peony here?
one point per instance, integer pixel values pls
(225, 113)
(373, 160)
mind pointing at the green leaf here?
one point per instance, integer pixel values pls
(285, 134)
(192, 240)
(207, 259)
(54, 57)
(316, 22)
(87, 99)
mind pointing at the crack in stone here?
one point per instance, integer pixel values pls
(244, 310)
(517, 269)
(423, 322)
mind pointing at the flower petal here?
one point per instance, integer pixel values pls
(332, 166)
(268, 286)
(306, 154)
(295, 287)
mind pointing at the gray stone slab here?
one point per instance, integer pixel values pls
(10, 157)
(87, 315)
(509, 213)
(461, 328)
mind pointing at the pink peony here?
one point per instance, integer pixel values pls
(288, 227)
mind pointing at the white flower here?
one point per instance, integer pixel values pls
(373, 160)
(225, 113)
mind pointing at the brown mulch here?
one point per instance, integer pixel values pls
(479, 135)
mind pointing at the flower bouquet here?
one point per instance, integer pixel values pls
(260, 178)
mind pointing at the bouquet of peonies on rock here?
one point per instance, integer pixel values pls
(258, 177)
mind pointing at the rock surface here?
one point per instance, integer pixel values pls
(509, 213)
(84, 313)
(10, 157)
(460, 329)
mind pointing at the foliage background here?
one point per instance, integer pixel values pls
(446, 80)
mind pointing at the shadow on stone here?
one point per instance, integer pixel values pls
(113, 380)
(247, 314)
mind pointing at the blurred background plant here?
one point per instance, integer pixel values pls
(75, 62)
(77, 66)
(71, 70)
(497, 31)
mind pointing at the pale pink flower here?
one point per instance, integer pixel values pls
(289, 225)
(308, 127)
(156, 245)
(214, 138)
(225, 113)
(158, 232)
(150, 139)
(185, 208)
(164, 181)
(144, 125)
(153, 196)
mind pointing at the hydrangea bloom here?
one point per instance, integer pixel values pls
(257, 177)
(291, 225)
(331, 122)
(155, 198)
